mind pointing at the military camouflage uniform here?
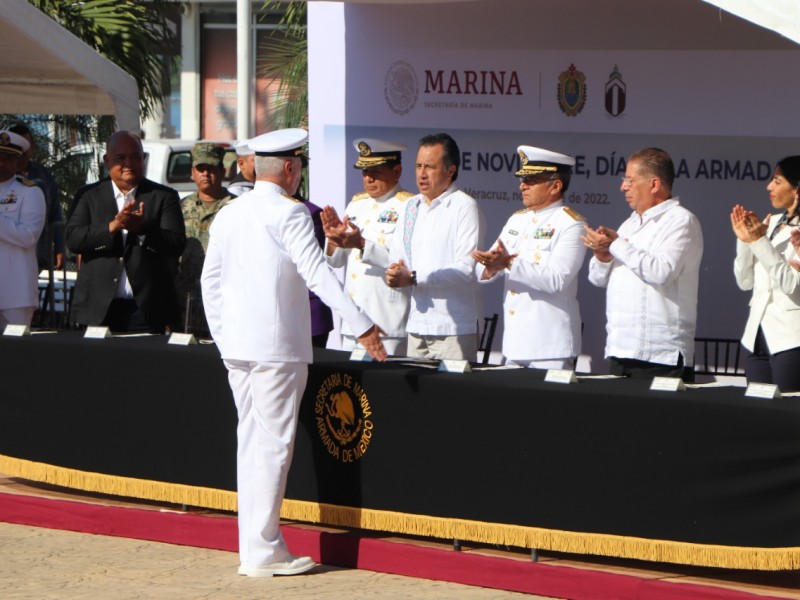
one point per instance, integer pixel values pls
(197, 217)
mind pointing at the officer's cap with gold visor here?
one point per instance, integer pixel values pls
(535, 161)
(282, 143)
(12, 143)
(374, 153)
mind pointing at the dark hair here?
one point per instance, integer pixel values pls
(656, 162)
(20, 129)
(452, 155)
(790, 169)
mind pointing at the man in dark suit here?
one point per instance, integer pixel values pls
(129, 232)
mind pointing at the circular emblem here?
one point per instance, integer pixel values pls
(343, 417)
(400, 87)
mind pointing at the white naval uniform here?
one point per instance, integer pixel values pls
(542, 319)
(377, 218)
(22, 217)
(262, 259)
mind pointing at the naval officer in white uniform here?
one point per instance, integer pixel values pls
(262, 254)
(539, 254)
(371, 219)
(22, 217)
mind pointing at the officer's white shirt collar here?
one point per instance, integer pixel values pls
(547, 209)
(386, 196)
(263, 187)
(658, 209)
(444, 198)
(121, 197)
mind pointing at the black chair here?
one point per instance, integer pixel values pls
(487, 337)
(194, 317)
(720, 356)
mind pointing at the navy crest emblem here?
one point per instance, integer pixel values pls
(571, 91)
(615, 93)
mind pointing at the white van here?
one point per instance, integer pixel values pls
(168, 162)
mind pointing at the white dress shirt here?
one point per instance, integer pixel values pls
(378, 220)
(540, 304)
(124, 289)
(652, 281)
(447, 298)
(763, 267)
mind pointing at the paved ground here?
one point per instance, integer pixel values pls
(45, 564)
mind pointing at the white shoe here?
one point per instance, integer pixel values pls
(294, 566)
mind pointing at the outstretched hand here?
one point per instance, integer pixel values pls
(371, 340)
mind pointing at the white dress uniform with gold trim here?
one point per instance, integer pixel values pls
(540, 305)
(542, 319)
(22, 217)
(377, 218)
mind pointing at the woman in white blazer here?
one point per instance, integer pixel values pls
(766, 262)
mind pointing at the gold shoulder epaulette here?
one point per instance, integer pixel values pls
(290, 198)
(25, 181)
(404, 195)
(361, 196)
(522, 210)
(574, 214)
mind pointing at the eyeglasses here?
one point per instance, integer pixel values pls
(533, 179)
(629, 182)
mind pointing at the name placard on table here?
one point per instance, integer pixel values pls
(667, 384)
(97, 332)
(360, 354)
(762, 390)
(182, 339)
(16, 330)
(560, 376)
(455, 366)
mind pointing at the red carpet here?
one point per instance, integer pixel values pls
(349, 550)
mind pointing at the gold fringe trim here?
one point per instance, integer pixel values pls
(159, 491)
(663, 551)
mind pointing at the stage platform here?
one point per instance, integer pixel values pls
(554, 575)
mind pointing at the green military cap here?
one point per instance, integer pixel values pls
(207, 153)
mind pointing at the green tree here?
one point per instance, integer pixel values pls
(132, 34)
(286, 61)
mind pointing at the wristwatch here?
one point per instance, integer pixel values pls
(413, 278)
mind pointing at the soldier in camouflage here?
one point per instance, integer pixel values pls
(199, 210)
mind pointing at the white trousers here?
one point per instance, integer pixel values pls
(267, 397)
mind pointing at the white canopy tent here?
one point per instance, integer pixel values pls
(49, 70)
(781, 16)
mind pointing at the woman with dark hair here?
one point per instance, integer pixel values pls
(764, 263)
